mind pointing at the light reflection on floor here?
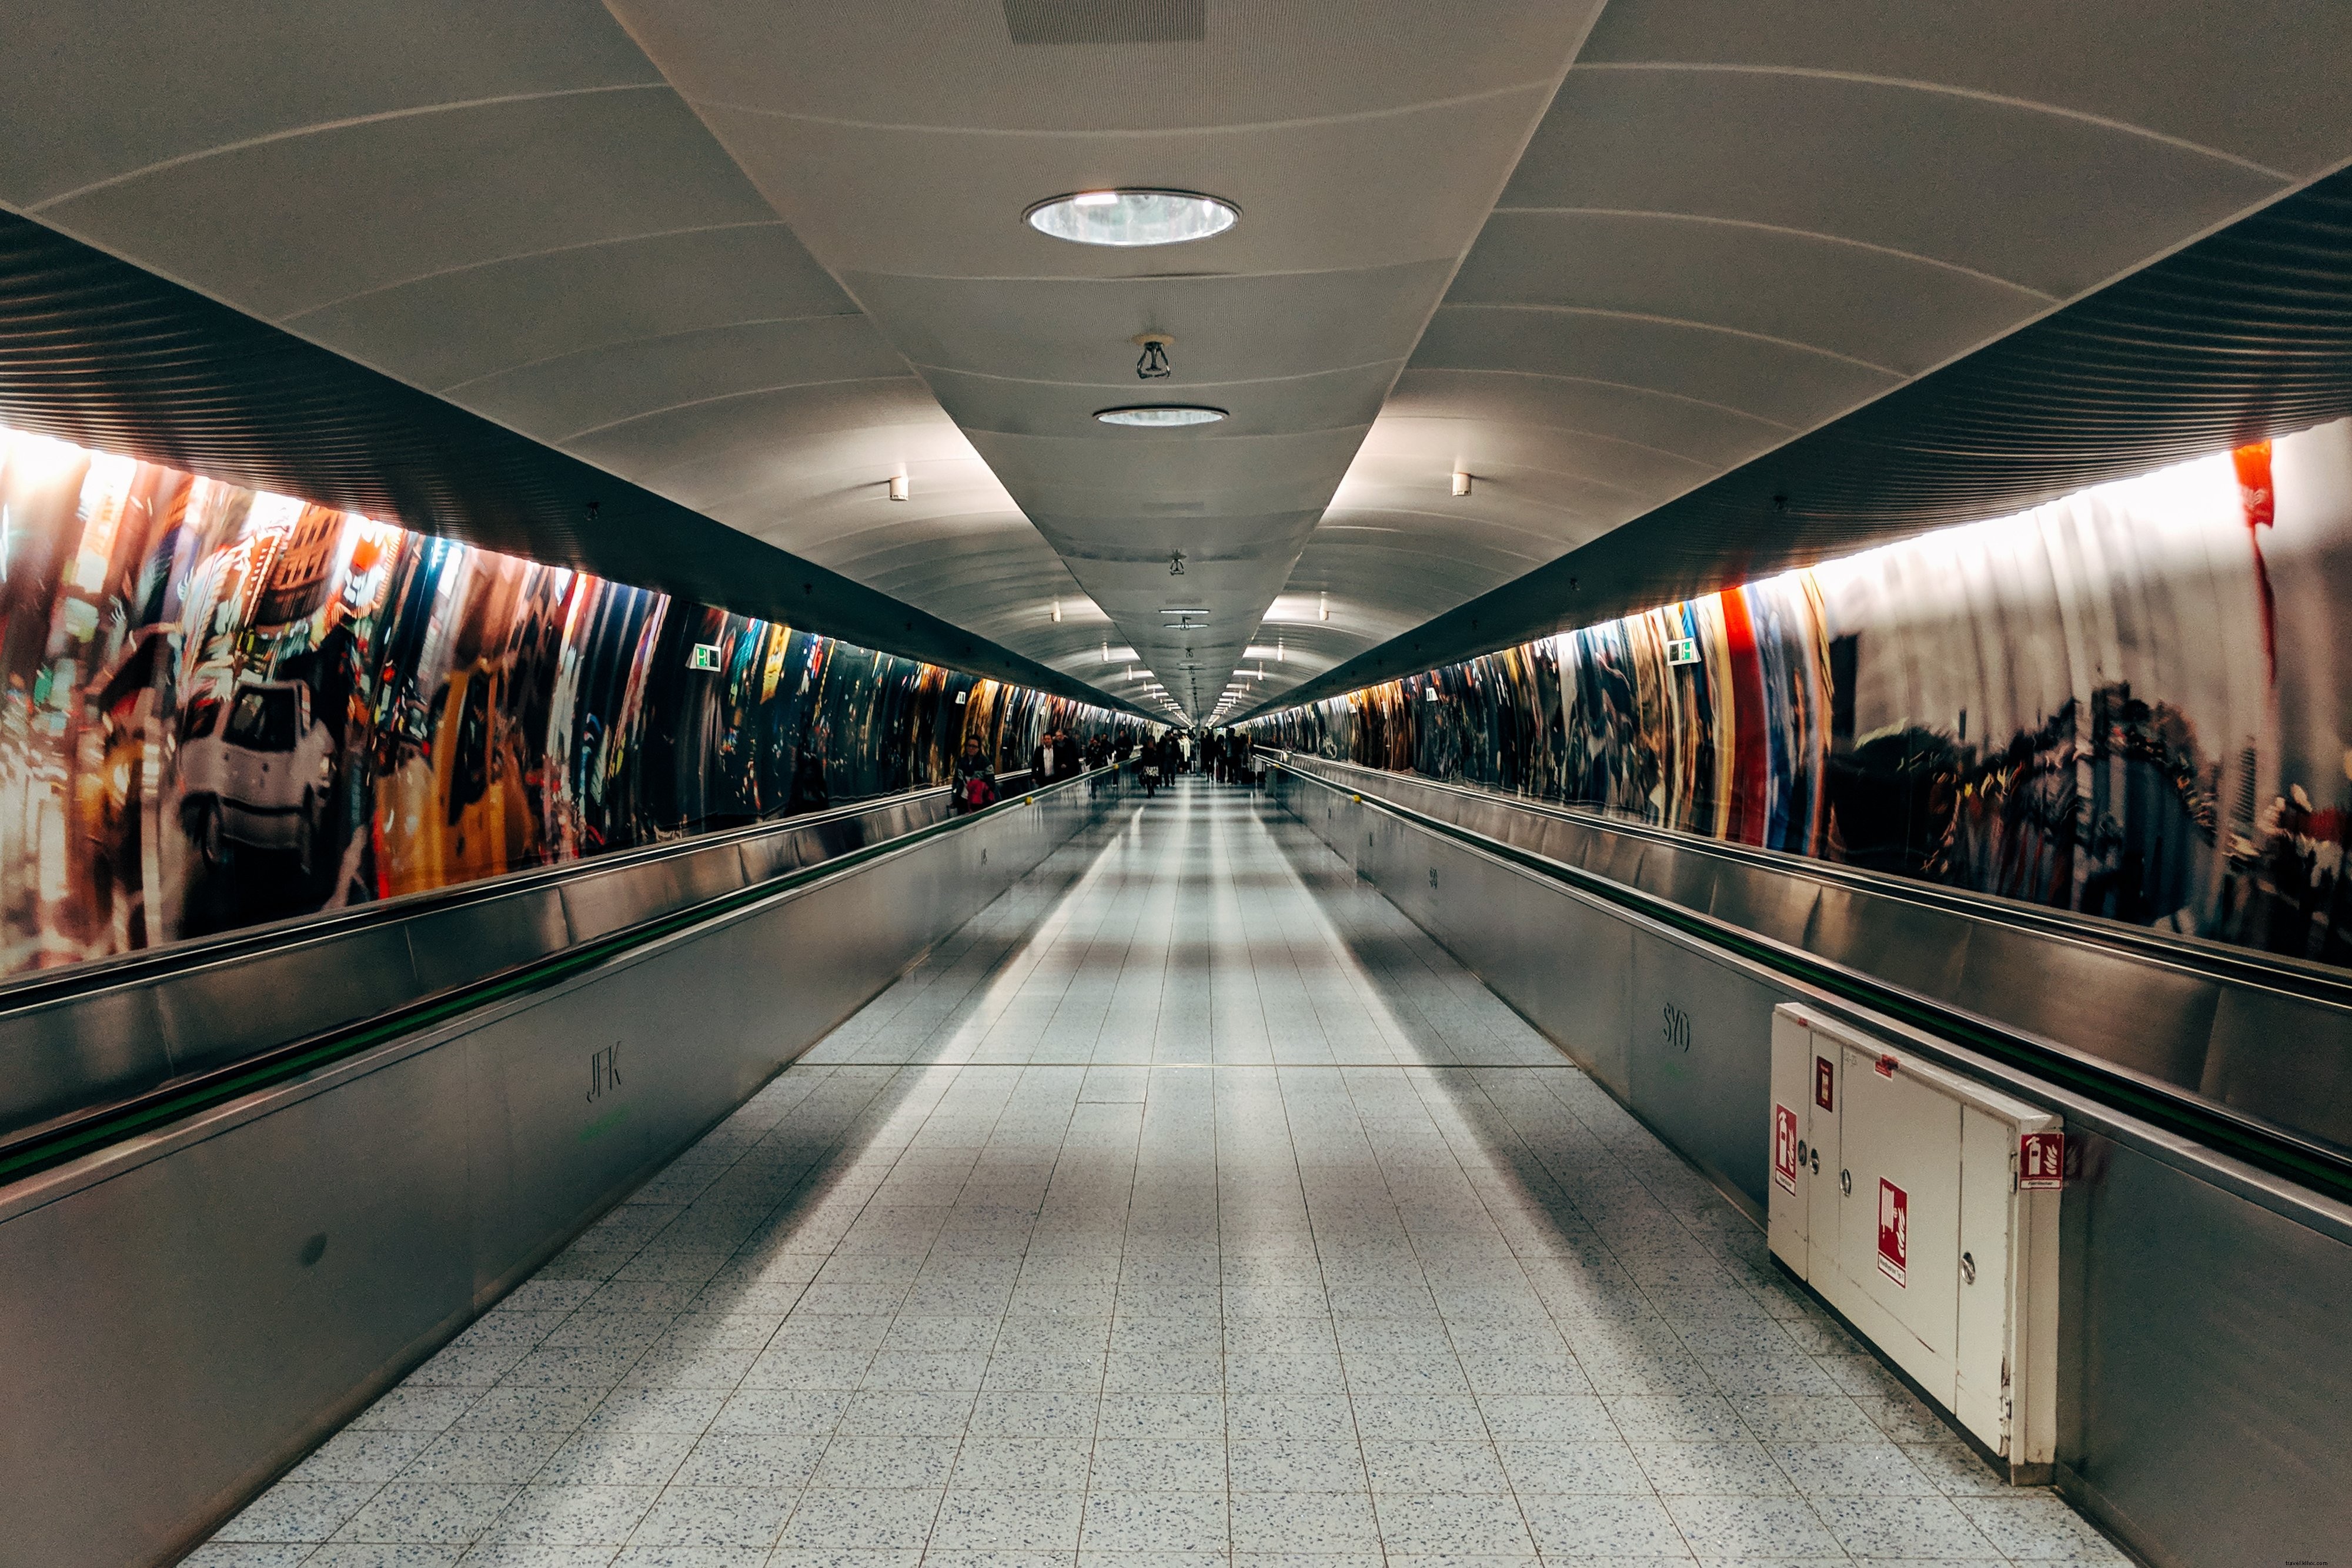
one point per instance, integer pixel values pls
(1189, 1205)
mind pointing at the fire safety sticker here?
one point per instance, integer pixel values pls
(1784, 1147)
(1893, 1230)
(1824, 1083)
(2041, 1160)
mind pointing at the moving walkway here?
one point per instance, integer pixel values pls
(2204, 1239)
(249, 1182)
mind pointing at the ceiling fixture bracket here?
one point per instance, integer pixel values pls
(1153, 366)
(1175, 563)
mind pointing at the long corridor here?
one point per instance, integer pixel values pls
(1190, 1206)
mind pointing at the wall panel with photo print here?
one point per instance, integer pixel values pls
(2134, 703)
(220, 706)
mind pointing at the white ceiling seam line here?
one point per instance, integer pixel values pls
(1003, 514)
(1589, 381)
(994, 519)
(1822, 236)
(1188, 386)
(1679, 321)
(1421, 330)
(1425, 547)
(610, 344)
(1412, 416)
(1947, 90)
(1954, 358)
(328, 127)
(1147, 434)
(2181, 244)
(530, 255)
(902, 518)
(1099, 280)
(778, 127)
(1162, 133)
(728, 397)
(1434, 515)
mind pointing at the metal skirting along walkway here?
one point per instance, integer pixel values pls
(192, 1308)
(1189, 1200)
(2201, 1383)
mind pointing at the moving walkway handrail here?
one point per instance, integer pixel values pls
(2264, 1145)
(29, 1151)
(2201, 956)
(48, 986)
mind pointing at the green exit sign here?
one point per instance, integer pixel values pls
(704, 657)
(1682, 650)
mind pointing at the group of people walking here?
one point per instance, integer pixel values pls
(1225, 756)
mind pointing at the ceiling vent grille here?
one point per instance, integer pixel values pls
(1106, 21)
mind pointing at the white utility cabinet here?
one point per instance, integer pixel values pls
(1924, 1206)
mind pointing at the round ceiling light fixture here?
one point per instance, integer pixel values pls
(1161, 415)
(1132, 218)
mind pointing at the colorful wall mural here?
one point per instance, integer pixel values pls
(220, 706)
(2134, 703)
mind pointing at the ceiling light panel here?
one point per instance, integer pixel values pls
(1025, 341)
(1132, 219)
(1162, 416)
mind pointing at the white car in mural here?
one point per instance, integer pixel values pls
(256, 770)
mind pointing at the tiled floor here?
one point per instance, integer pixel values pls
(1190, 1209)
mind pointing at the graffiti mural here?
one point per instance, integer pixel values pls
(2134, 703)
(220, 706)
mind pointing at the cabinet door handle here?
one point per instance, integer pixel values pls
(1845, 1183)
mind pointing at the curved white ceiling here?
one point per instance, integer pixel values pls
(1737, 223)
(762, 256)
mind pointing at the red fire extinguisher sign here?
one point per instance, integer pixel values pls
(1894, 1231)
(1784, 1147)
(2041, 1160)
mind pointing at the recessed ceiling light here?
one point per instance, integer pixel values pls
(1160, 416)
(1132, 217)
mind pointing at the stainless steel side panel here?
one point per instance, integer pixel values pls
(451, 946)
(1561, 962)
(2205, 1372)
(2285, 1057)
(1700, 1051)
(2146, 1017)
(2206, 1364)
(2268, 1060)
(165, 1348)
(1781, 907)
(597, 906)
(163, 1333)
(48, 1054)
(1902, 944)
(218, 1012)
(172, 1011)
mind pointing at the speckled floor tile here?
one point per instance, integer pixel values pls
(1190, 1209)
